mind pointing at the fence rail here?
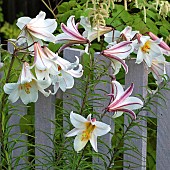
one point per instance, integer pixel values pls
(45, 115)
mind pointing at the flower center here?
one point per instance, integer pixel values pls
(146, 47)
(26, 87)
(87, 133)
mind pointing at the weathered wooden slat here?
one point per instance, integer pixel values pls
(163, 129)
(17, 139)
(71, 94)
(103, 88)
(44, 129)
(139, 76)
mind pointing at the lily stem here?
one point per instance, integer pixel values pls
(3, 113)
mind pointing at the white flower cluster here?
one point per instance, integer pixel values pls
(149, 49)
(50, 68)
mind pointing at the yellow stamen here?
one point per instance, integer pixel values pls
(26, 87)
(87, 133)
(146, 47)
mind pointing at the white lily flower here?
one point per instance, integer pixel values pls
(147, 50)
(27, 87)
(43, 62)
(92, 33)
(164, 47)
(112, 36)
(126, 35)
(158, 70)
(86, 130)
(121, 102)
(36, 29)
(71, 34)
(117, 53)
(67, 71)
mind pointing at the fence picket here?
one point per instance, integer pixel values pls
(44, 129)
(138, 75)
(163, 129)
(16, 138)
(71, 94)
(15, 135)
(103, 89)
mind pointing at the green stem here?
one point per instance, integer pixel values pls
(3, 114)
(80, 158)
(49, 8)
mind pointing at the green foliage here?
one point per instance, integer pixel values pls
(154, 22)
(151, 143)
(73, 7)
(1, 13)
(9, 31)
(26, 124)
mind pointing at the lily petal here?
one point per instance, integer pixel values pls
(77, 120)
(21, 22)
(93, 141)
(101, 128)
(117, 113)
(32, 96)
(132, 114)
(126, 94)
(78, 143)
(73, 132)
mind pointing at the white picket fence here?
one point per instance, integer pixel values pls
(45, 115)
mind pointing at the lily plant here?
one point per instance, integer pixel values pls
(48, 68)
(122, 102)
(117, 53)
(86, 129)
(27, 87)
(36, 29)
(70, 34)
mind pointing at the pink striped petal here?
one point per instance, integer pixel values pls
(119, 45)
(162, 43)
(126, 94)
(119, 60)
(71, 33)
(71, 25)
(132, 114)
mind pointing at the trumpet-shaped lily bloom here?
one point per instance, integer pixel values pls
(67, 71)
(71, 35)
(158, 70)
(86, 130)
(36, 29)
(92, 33)
(164, 47)
(62, 71)
(147, 50)
(27, 87)
(43, 62)
(112, 36)
(127, 35)
(121, 102)
(117, 53)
